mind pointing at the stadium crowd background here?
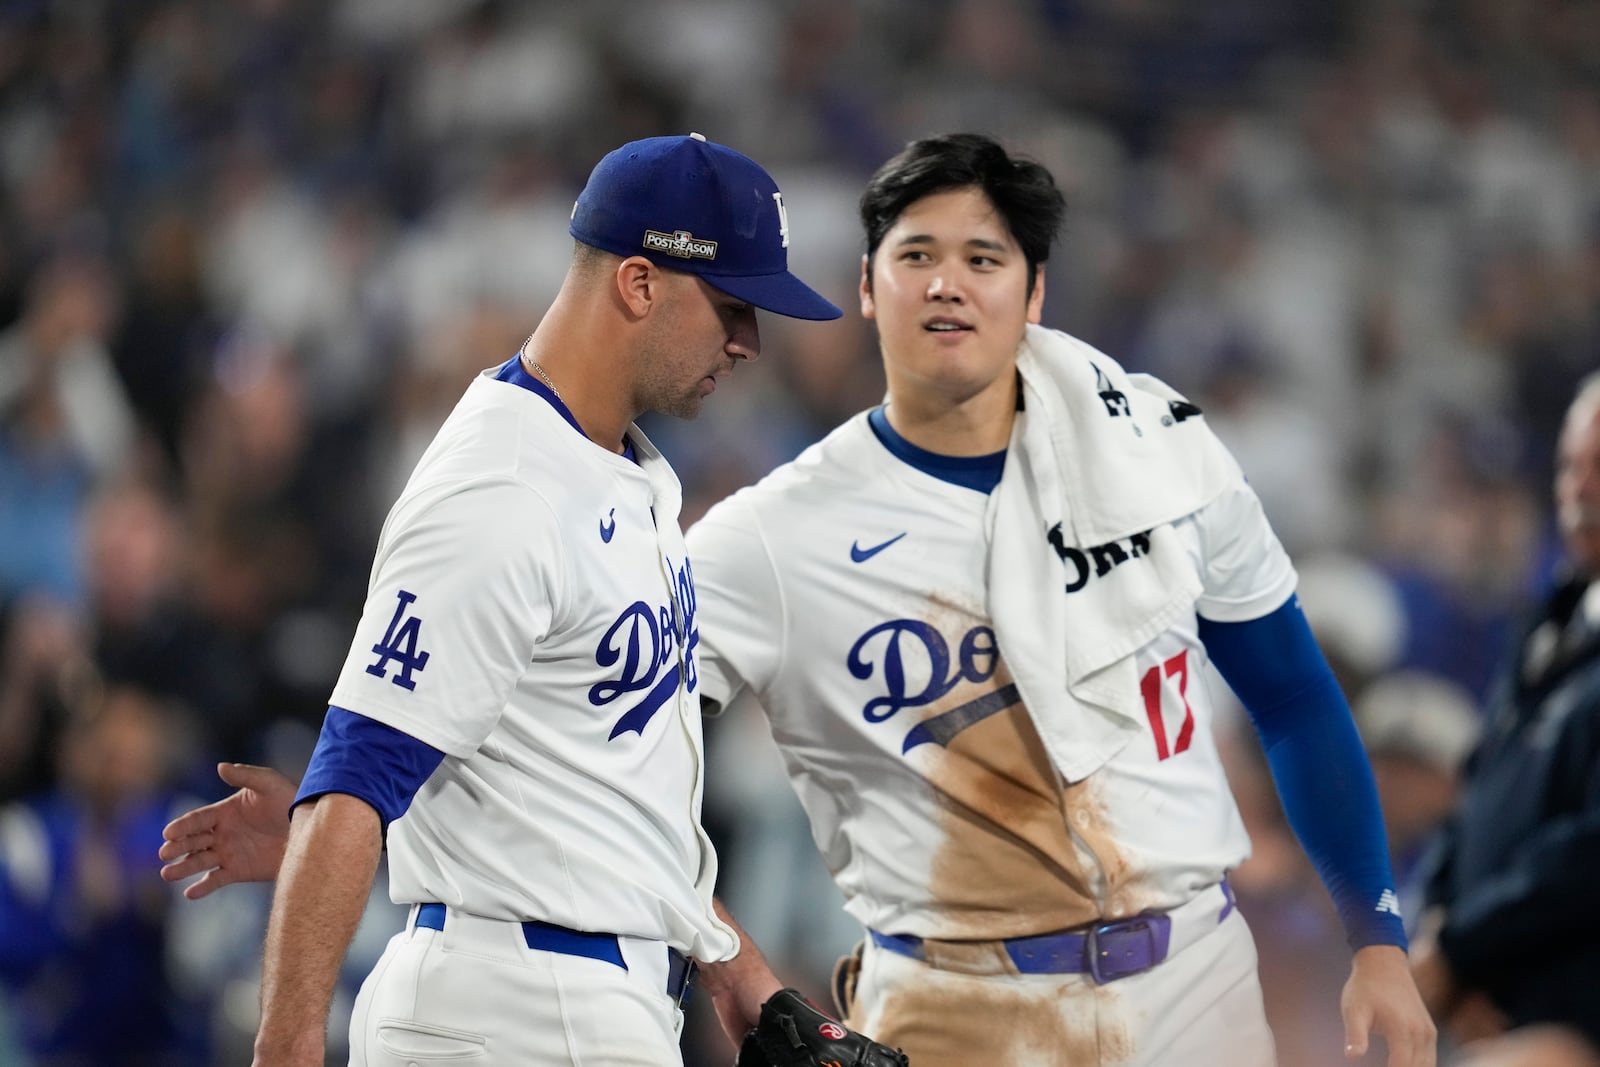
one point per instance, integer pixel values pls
(251, 251)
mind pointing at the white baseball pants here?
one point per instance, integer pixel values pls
(475, 993)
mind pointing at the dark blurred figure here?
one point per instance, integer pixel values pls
(271, 503)
(167, 331)
(42, 660)
(143, 575)
(82, 905)
(1510, 938)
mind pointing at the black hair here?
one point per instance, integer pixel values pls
(1022, 191)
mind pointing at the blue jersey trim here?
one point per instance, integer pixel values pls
(514, 372)
(369, 760)
(970, 472)
(1321, 770)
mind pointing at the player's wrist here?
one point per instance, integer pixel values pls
(1380, 956)
(299, 1047)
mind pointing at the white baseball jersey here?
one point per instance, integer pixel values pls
(531, 613)
(847, 593)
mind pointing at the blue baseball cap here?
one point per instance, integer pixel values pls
(688, 204)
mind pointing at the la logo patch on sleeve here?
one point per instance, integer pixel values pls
(400, 645)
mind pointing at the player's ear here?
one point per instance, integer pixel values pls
(1036, 298)
(639, 284)
(868, 307)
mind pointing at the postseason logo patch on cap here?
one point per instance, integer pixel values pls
(680, 243)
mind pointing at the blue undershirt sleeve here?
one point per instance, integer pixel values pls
(1321, 770)
(368, 760)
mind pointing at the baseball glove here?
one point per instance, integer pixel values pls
(792, 1033)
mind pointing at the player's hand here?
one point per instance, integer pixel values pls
(1380, 997)
(238, 839)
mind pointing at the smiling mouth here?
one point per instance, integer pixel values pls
(947, 327)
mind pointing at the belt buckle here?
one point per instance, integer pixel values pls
(691, 970)
(1142, 925)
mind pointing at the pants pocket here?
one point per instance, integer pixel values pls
(423, 1041)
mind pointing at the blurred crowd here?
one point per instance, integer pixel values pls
(251, 252)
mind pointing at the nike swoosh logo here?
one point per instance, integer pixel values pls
(608, 528)
(861, 555)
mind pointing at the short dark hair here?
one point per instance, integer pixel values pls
(1022, 191)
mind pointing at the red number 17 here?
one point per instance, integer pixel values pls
(1152, 689)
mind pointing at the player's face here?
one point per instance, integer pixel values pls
(1578, 487)
(948, 289)
(696, 338)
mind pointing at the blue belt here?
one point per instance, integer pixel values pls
(1105, 952)
(548, 937)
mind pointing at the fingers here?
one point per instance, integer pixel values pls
(1357, 1028)
(1414, 1043)
(247, 776)
(214, 880)
(192, 863)
(177, 847)
(192, 823)
(1412, 1039)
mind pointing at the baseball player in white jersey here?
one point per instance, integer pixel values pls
(977, 619)
(523, 686)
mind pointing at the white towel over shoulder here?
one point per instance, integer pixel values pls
(1084, 566)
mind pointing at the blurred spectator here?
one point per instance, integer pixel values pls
(63, 422)
(1458, 538)
(42, 662)
(82, 907)
(1418, 729)
(1510, 940)
(167, 329)
(1356, 613)
(146, 627)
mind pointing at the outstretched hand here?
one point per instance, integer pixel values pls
(1381, 997)
(238, 839)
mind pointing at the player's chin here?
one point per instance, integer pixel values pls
(682, 407)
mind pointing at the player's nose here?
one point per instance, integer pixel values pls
(944, 287)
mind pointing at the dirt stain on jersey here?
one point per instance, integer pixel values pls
(1022, 852)
(1009, 864)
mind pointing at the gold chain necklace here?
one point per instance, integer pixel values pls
(534, 364)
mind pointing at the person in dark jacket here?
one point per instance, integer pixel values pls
(1510, 945)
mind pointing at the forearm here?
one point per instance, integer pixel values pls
(1318, 763)
(1327, 789)
(738, 987)
(333, 852)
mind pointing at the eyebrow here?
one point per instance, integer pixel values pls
(977, 243)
